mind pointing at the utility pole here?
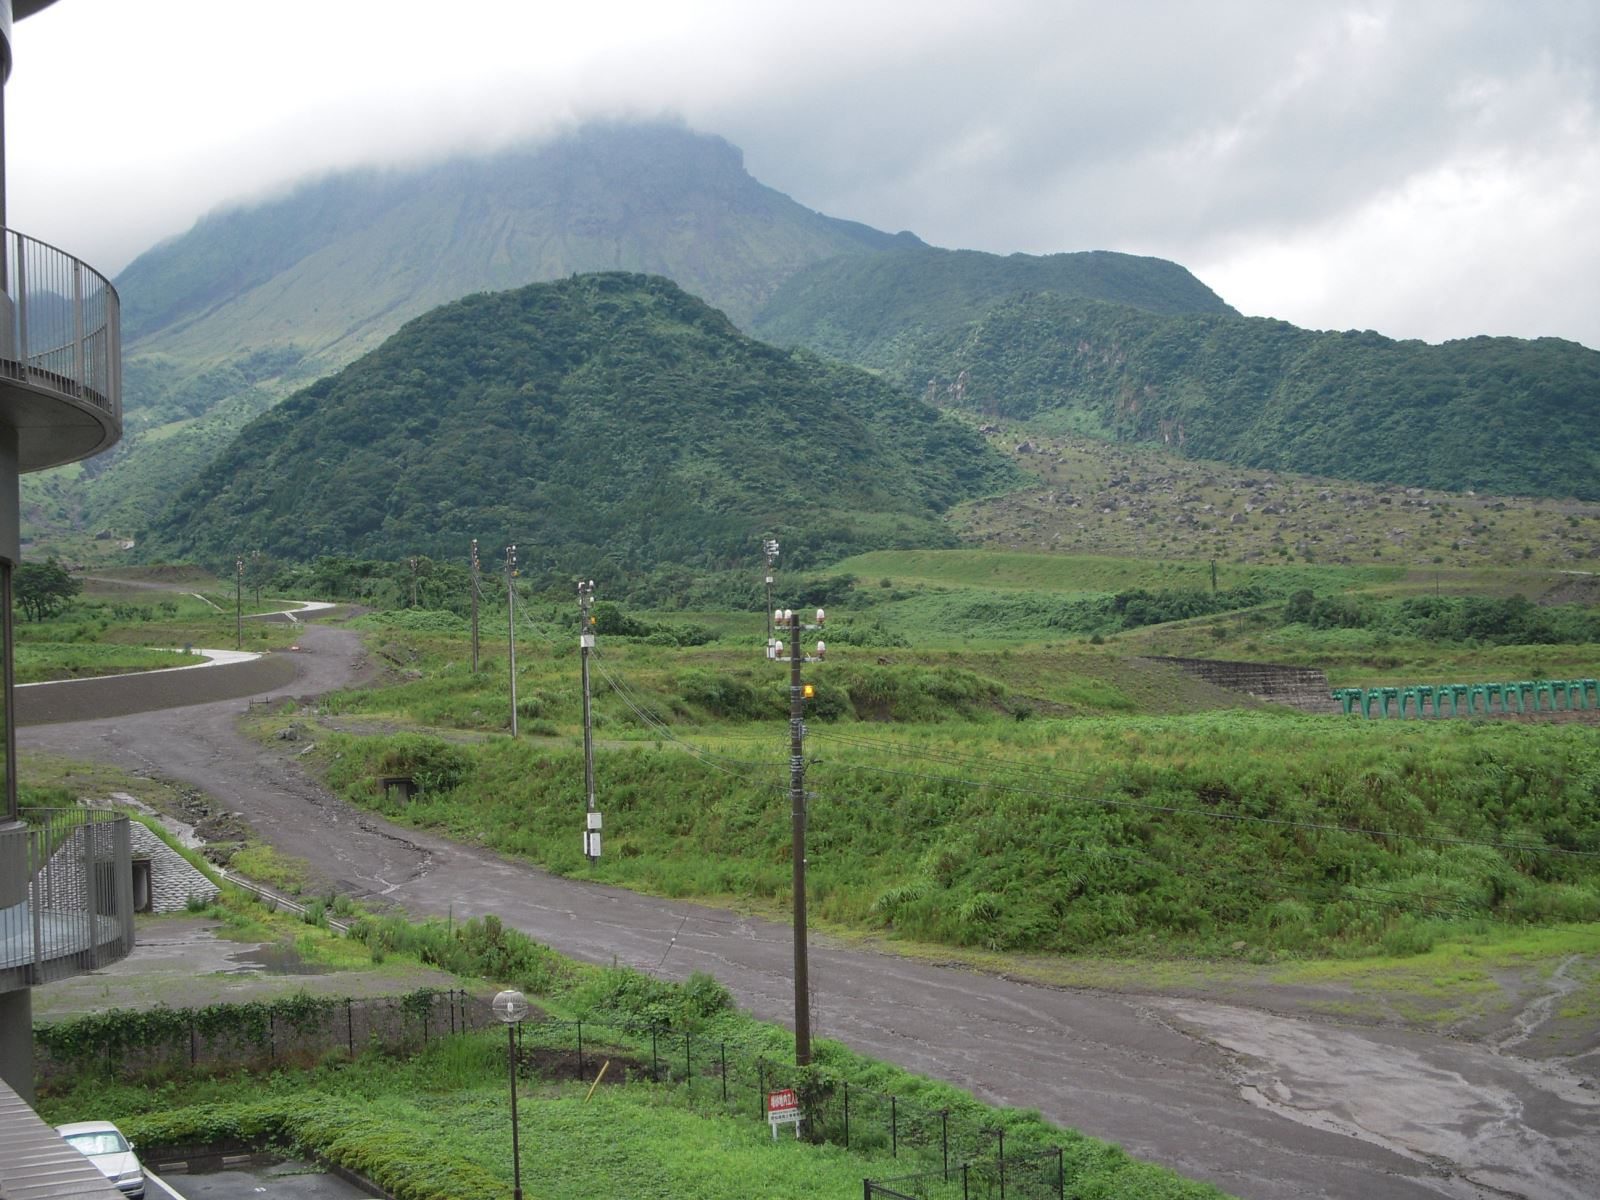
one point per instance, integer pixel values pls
(413, 561)
(238, 602)
(474, 606)
(591, 828)
(799, 693)
(511, 626)
(255, 572)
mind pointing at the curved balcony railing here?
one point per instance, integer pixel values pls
(66, 894)
(60, 334)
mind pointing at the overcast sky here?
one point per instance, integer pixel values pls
(1426, 169)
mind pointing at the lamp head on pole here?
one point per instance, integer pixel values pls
(510, 1006)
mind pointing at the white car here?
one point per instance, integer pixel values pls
(103, 1144)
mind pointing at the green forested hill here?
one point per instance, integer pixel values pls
(604, 419)
(865, 309)
(1491, 414)
(226, 319)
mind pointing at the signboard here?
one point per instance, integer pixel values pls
(783, 1108)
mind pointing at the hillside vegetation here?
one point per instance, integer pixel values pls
(868, 309)
(1490, 414)
(603, 419)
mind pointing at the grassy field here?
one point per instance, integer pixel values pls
(114, 627)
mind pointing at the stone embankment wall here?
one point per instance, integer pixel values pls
(1305, 688)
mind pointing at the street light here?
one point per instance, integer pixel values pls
(511, 1007)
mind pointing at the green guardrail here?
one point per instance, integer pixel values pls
(1468, 699)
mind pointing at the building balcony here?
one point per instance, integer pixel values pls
(60, 354)
(66, 895)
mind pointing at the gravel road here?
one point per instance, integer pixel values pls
(1267, 1106)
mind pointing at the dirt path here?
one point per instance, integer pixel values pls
(1268, 1107)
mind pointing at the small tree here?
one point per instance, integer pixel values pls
(43, 589)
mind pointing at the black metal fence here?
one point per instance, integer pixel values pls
(290, 1030)
(951, 1145)
(958, 1155)
(1032, 1176)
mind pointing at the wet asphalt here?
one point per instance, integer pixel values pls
(1266, 1107)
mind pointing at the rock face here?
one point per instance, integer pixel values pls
(1305, 688)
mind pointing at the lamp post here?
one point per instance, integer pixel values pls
(511, 1007)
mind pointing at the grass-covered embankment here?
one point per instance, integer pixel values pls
(1287, 834)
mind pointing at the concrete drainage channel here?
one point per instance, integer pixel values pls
(240, 1173)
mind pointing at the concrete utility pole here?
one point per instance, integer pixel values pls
(413, 561)
(591, 828)
(799, 693)
(511, 627)
(474, 606)
(238, 602)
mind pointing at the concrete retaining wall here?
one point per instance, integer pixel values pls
(1305, 688)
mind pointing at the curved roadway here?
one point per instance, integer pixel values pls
(1267, 1107)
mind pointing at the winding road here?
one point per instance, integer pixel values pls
(1266, 1106)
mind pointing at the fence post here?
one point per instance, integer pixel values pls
(1001, 1161)
(349, 1028)
(723, 1058)
(964, 1181)
(847, 1114)
(272, 1035)
(582, 1074)
(761, 1088)
(1061, 1174)
(192, 1047)
(655, 1063)
(944, 1140)
(894, 1127)
(866, 1189)
(688, 1060)
(452, 1012)
(424, 1029)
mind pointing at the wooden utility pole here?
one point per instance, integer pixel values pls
(799, 693)
(797, 826)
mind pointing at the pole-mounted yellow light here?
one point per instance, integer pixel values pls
(808, 691)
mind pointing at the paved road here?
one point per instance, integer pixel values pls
(1267, 1107)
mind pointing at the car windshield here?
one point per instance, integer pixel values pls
(108, 1142)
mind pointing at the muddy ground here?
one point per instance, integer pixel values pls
(1252, 1089)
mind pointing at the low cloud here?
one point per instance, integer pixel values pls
(1426, 169)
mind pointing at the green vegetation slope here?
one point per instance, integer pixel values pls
(602, 419)
(1489, 414)
(865, 309)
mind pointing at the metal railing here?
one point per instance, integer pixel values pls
(66, 894)
(60, 324)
